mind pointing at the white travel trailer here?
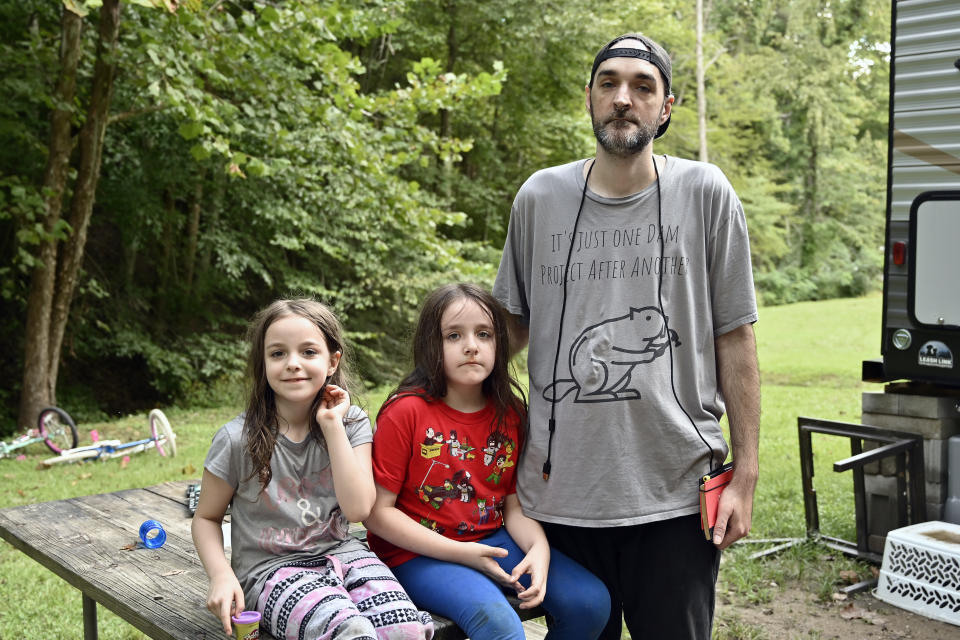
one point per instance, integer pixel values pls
(921, 284)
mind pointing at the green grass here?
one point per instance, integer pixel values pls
(819, 344)
(810, 355)
(735, 629)
(45, 604)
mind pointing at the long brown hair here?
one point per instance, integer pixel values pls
(261, 424)
(428, 380)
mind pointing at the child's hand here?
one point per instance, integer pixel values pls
(535, 563)
(225, 598)
(482, 558)
(333, 407)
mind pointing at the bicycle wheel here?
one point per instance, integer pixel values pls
(165, 440)
(57, 428)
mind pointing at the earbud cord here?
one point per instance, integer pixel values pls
(666, 326)
(563, 310)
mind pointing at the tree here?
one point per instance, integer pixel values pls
(834, 164)
(264, 176)
(363, 151)
(55, 275)
(701, 85)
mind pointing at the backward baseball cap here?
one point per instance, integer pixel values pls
(654, 54)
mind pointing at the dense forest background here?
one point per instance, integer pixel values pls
(167, 168)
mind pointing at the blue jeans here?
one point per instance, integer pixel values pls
(578, 603)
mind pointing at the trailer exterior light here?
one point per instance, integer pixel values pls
(902, 339)
(899, 253)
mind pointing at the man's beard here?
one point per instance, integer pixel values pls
(616, 141)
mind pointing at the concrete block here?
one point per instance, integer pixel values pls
(885, 485)
(943, 407)
(906, 404)
(872, 468)
(934, 511)
(935, 461)
(880, 402)
(887, 466)
(881, 513)
(940, 429)
(936, 492)
(935, 464)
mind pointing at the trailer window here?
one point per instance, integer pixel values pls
(936, 254)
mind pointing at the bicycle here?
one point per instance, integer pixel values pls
(55, 428)
(161, 438)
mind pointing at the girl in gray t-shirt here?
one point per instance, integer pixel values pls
(296, 468)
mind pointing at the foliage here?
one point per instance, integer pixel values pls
(364, 151)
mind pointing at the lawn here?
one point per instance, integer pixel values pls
(810, 355)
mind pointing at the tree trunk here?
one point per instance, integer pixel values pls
(168, 242)
(219, 179)
(130, 253)
(38, 391)
(446, 126)
(193, 233)
(88, 174)
(701, 86)
(811, 188)
(451, 61)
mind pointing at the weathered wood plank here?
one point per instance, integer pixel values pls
(534, 630)
(92, 542)
(159, 591)
(175, 490)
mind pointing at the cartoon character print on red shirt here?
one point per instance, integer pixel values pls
(451, 471)
(447, 479)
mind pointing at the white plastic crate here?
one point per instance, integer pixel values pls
(921, 570)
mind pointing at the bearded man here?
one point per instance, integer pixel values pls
(635, 353)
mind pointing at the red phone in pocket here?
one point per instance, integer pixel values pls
(711, 486)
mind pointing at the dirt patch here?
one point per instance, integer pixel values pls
(795, 614)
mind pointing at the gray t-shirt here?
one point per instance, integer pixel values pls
(297, 518)
(624, 452)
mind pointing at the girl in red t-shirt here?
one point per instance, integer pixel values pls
(447, 519)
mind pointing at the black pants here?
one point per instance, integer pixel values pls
(661, 576)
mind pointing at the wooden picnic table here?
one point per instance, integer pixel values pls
(93, 542)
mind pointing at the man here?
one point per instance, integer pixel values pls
(630, 274)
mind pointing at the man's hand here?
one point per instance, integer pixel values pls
(739, 378)
(735, 512)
